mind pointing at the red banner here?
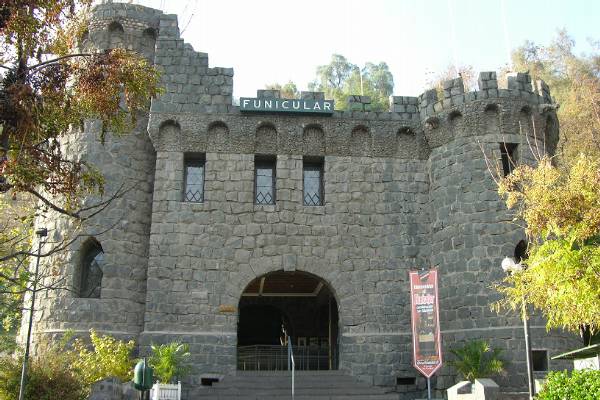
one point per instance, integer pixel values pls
(427, 341)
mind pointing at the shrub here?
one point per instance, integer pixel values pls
(67, 373)
(577, 385)
(477, 359)
(169, 361)
(108, 357)
(50, 377)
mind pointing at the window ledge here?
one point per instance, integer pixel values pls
(313, 209)
(265, 207)
(195, 205)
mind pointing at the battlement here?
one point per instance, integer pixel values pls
(519, 87)
(193, 87)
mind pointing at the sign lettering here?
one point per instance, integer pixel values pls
(427, 341)
(248, 104)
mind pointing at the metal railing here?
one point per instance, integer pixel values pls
(292, 362)
(276, 358)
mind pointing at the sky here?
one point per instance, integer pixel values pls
(268, 41)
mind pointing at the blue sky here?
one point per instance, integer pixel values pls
(269, 41)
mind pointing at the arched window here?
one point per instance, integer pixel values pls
(90, 269)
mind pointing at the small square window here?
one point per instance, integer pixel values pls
(508, 155)
(194, 179)
(312, 171)
(264, 180)
(539, 360)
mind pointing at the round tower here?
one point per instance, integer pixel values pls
(100, 278)
(475, 137)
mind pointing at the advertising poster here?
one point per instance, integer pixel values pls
(427, 349)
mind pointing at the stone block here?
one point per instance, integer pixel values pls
(268, 94)
(312, 95)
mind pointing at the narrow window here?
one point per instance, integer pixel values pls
(508, 155)
(312, 172)
(539, 360)
(194, 178)
(264, 180)
(92, 262)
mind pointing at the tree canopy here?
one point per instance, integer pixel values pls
(49, 85)
(574, 82)
(340, 79)
(287, 91)
(558, 199)
(561, 209)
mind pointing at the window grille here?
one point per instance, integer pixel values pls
(264, 182)
(194, 180)
(313, 184)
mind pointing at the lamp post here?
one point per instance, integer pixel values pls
(42, 232)
(509, 266)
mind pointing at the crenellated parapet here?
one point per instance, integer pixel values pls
(519, 88)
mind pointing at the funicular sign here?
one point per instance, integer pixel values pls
(427, 348)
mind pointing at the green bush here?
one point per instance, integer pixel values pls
(577, 385)
(477, 359)
(50, 377)
(169, 361)
(108, 357)
(65, 372)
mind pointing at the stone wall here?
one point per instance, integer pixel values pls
(410, 188)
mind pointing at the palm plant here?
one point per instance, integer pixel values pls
(477, 359)
(170, 361)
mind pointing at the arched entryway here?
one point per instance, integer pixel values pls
(282, 307)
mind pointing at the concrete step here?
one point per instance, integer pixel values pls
(309, 385)
(394, 396)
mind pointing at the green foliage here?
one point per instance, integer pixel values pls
(340, 79)
(49, 85)
(15, 236)
(108, 357)
(50, 377)
(68, 372)
(575, 84)
(287, 91)
(577, 385)
(477, 359)
(170, 361)
(561, 209)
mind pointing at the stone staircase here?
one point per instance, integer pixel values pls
(309, 385)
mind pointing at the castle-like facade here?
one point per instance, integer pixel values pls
(235, 225)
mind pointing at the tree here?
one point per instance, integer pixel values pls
(575, 85)
(49, 86)
(560, 206)
(287, 91)
(340, 79)
(559, 198)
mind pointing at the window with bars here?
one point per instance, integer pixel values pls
(264, 180)
(312, 171)
(194, 179)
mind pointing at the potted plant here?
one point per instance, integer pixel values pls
(477, 359)
(170, 363)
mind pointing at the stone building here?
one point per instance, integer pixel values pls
(236, 223)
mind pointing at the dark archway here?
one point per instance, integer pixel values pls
(287, 307)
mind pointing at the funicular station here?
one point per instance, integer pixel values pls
(280, 224)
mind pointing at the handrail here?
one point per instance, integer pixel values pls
(276, 357)
(291, 359)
